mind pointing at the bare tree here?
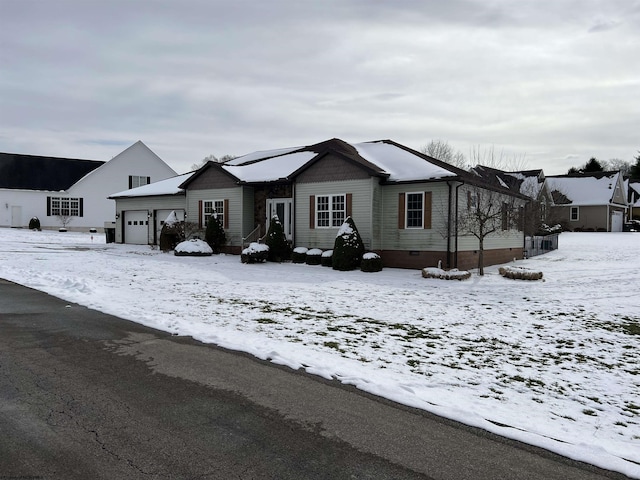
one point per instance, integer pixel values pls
(212, 158)
(487, 212)
(65, 219)
(501, 161)
(441, 150)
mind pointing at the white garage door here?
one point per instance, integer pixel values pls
(161, 216)
(136, 227)
(616, 222)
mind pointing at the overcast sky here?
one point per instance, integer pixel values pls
(554, 81)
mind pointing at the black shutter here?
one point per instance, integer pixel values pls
(148, 180)
(130, 181)
(48, 206)
(81, 207)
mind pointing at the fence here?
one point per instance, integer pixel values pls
(537, 245)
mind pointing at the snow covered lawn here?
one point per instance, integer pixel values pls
(555, 363)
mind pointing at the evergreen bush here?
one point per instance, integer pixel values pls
(348, 247)
(279, 249)
(371, 262)
(313, 256)
(326, 258)
(299, 255)
(255, 253)
(34, 224)
(214, 234)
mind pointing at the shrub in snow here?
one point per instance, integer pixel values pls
(279, 249)
(214, 235)
(326, 259)
(299, 255)
(453, 274)
(520, 273)
(34, 224)
(348, 247)
(255, 253)
(193, 248)
(371, 262)
(313, 256)
(172, 234)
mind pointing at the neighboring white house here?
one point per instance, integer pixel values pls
(80, 202)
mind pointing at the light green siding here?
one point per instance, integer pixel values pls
(362, 192)
(426, 239)
(234, 214)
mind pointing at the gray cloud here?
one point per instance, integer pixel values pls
(82, 78)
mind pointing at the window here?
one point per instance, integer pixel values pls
(65, 206)
(213, 207)
(138, 181)
(574, 214)
(415, 210)
(331, 210)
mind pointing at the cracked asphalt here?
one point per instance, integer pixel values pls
(88, 395)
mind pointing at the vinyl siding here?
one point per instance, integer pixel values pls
(234, 215)
(361, 211)
(424, 239)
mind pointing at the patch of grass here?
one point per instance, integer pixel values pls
(266, 321)
(591, 413)
(632, 328)
(413, 363)
(333, 345)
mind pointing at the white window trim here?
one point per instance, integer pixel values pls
(330, 211)
(406, 211)
(577, 209)
(220, 216)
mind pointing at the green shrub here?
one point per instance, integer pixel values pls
(326, 259)
(172, 234)
(371, 262)
(255, 253)
(279, 249)
(348, 247)
(299, 255)
(313, 256)
(34, 224)
(214, 234)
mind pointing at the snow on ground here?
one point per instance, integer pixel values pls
(552, 363)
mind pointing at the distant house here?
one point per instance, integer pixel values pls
(404, 203)
(634, 200)
(530, 183)
(70, 191)
(595, 201)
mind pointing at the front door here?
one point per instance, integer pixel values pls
(16, 216)
(283, 207)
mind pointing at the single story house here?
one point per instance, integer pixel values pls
(70, 192)
(595, 201)
(414, 210)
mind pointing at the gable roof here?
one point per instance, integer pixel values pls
(386, 159)
(526, 182)
(170, 186)
(31, 172)
(584, 189)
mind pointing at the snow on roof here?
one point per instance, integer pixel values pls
(170, 186)
(529, 186)
(585, 190)
(400, 164)
(270, 169)
(260, 155)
